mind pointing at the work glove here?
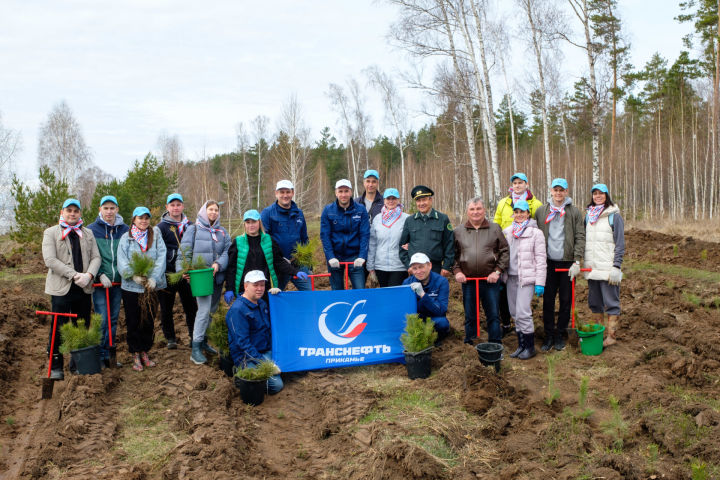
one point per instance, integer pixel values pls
(151, 284)
(302, 275)
(334, 263)
(137, 279)
(615, 276)
(76, 277)
(106, 282)
(83, 280)
(417, 288)
(275, 290)
(574, 271)
(539, 290)
(359, 262)
(229, 296)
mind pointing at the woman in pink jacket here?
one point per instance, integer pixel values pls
(525, 276)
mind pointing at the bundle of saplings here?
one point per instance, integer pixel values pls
(188, 263)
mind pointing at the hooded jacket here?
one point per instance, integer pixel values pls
(383, 253)
(107, 238)
(345, 232)
(480, 251)
(286, 226)
(172, 238)
(504, 212)
(156, 251)
(531, 255)
(198, 241)
(573, 230)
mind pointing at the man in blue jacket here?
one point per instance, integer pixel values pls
(432, 290)
(345, 235)
(285, 223)
(249, 333)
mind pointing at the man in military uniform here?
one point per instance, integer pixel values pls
(429, 232)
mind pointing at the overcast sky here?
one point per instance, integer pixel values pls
(131, 70)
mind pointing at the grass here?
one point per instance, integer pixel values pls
(12, 275)
(404, 403)
(436, 446)
(691, 397)
(10, 421)
(677, 270)
(144, 434)
(553, 391)
(692, 298)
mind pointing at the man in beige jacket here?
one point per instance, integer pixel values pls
(73, 260)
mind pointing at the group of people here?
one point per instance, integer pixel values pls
(511, 259)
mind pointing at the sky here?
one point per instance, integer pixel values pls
(132, 70)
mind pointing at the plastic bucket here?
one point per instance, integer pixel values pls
(418, 363)
(252, 392)
(87, 360)
(489, 353)
(201, 282)
(591, 343)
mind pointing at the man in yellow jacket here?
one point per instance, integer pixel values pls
(504, 217)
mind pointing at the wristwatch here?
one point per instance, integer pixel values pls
(498, 272)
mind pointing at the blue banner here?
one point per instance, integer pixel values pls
(341, 328)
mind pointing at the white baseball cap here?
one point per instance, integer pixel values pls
(343, 182)
(255, 276)
(419, 258)
(284, 184)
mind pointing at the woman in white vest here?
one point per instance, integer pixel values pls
(604, 251)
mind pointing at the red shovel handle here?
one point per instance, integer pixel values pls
(52, 339)
(477, 299)
(347, 268)
(572, 308)
(107, 304)
(312, 278)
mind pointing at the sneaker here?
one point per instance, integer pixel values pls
(547, 344)
(559, 343)
(137, 365)
(172, 344)
(146, 360)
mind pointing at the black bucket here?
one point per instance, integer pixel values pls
(87, 360)
(252, 392)
(490, 354)
(418, 363)
(225, 364)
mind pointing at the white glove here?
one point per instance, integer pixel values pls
(574, 271)
(359, 262)
(106, 283)
(417, 288)
(77, 277)
(615, 276)
(275, 291)
(84, 280)
(151, 284)
(137, 279)
(334, 263)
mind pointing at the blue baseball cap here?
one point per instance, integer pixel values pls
(72, 201)
(519, 175)
(251, 215)
(371, 173)
(521, 205)
(140, 211)
(559, 182)
(391, 192)
(600, 186)
(108, 198)
(174, 196)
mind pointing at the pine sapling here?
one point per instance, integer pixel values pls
(188, 263)
(616, 426)
(419, 334)
(304, 255)
(217, 332)
(584, 412)
(140, 265)
(75, 337)
(262, 371)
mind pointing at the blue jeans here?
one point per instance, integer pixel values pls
(490, 298)
(356, 277)
(301, 285)
(441, 324)
(100, 307)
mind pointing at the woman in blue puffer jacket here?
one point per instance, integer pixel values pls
(206, 238)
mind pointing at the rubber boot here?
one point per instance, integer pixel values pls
(56, 368)
(207, 348)
(521, 345)
(611, 331)
(529, 350)
(196, 356)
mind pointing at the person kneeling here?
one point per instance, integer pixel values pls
(432, 290)
(248, 322)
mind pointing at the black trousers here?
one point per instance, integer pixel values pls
(75, 301)
(504, 309)
(140, 333)
(390, 279)
(167, 301)
(557, 283)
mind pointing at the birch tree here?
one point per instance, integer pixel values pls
(10, 146)
(242, 178)
(260, 125)
(341, 104)
(293, 148)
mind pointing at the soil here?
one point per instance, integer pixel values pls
(179, 420)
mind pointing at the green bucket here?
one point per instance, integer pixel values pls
(201, 282)
(591, 343)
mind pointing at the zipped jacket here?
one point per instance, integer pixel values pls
(107, 238)
(198, 241)
(345, 232)
(504, 212)
(286, 226)
(156, 251)
(573, 230)
(480, 251)
(531, 255)
(383, 253)
(57, 254)
(249, 332)
(437, 294)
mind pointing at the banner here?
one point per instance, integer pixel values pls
(340, 328)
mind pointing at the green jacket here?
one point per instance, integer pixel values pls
(504, 212)
(431, 234)
(107, 238)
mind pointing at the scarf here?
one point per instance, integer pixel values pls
(519, 228)
(594, 213)
(554, 211)
(516, 197)
(210, 229)
(389, 217)
(181, 225)
(77, 228)
(140, 236)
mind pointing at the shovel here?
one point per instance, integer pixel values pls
(572, 332)
(347, 269)
(312, 278)
(47, 382)
(477, 300)
(112, 349)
